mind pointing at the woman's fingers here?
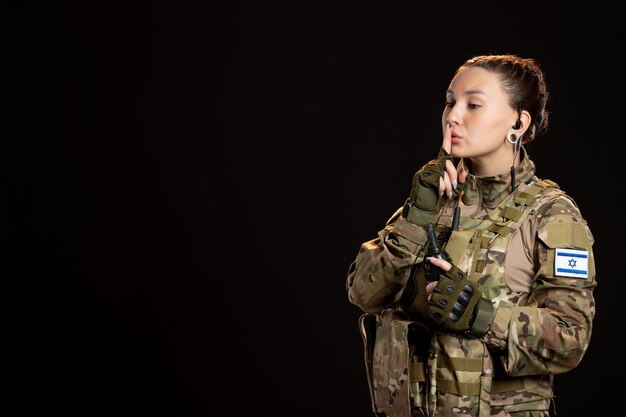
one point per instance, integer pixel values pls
(445, 186)
(440, 263)
(462, 176)
(448, 181)
(447, 138)
(452, 174)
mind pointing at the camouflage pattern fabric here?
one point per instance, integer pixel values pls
(534, 335)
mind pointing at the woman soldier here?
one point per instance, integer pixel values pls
(479, 289)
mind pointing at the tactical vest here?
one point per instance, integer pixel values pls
(457, 374)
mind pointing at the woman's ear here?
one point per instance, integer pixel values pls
(523, 123)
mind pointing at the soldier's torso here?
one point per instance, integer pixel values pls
(464, 377)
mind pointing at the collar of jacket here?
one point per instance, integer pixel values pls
(493, 189)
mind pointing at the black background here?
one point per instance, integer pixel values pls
(187, 184)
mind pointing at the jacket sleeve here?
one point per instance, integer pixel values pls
(377, 277)
(550, 331)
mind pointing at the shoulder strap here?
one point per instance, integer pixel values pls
(513, 210)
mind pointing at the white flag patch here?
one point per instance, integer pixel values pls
(571, 263)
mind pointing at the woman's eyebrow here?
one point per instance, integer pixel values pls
(468, 92)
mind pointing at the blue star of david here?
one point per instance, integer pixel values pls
(572, 263)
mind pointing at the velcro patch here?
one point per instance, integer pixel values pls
(571, 263)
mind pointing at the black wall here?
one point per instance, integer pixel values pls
(186, 185)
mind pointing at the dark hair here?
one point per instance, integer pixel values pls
(525, 84)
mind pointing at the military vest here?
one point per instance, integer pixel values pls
(457, 374)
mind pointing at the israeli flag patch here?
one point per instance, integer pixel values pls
(571, 263)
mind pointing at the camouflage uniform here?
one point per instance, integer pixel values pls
(513, 245)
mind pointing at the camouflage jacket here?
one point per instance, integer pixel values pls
(543, 309)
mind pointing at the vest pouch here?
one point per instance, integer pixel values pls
(460, 247)
(388, 363)
(367, 328)
(460, 376)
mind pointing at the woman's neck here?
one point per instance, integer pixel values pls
(495, 164)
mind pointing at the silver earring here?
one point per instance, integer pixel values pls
(512, 138)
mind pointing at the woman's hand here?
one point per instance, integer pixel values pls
(455, 302)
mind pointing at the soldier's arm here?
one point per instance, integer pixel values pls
(550, 332)
(378, 275)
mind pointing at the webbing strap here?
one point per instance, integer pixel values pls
(511, 213)
(500, 229)
(459, 364)
(531, 193)
(416, 372)
(473, 388)
(458, 388)
(546, 183)
(524, 197)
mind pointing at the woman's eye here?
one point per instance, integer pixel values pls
(473, 106)
(449, 104)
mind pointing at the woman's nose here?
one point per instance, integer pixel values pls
(453, 117)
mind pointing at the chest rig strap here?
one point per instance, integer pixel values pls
(514, 208)
(510, 214)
